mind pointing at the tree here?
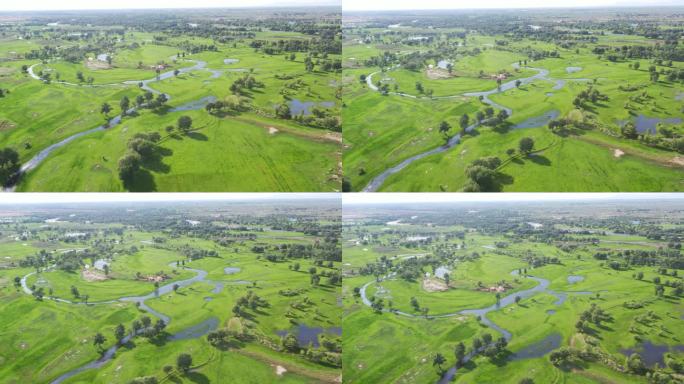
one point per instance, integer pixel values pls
(120, 332)
(486, 338)
(125, 103)
(526, 380)
(176, 72)
(290, 343)
(139, 100)
(477, 344)
(446, 279)
(438, 361)
(636, 65)
(444, 128)
(479, 116)
(98, 340)
(9, 164)
(518, 83)
(105, 109)
(184, 362)
(184, 123)
(146, 321)
(635, 364)
(129, 164)
(175, 287)
(283, 111)
(465, 120)
(526, 145)
(459, 352)
(629, 131)
(517, 299)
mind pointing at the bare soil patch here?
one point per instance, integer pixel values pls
(617, 153)
(6, 125)
(678, 161)
(280, 370)
(437, 74)
(93, 275)
(96, 65)
(434, 285)
(4, 71)
(272, 130)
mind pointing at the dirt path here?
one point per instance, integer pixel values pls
(663, 160)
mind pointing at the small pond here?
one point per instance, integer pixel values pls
(540, 348)
(231, 270)
(652, 353)
(230, 61)
(441, 271)
(538, 121)
(298, 107)
(197, 330)
(194, 106)
(306, 335)
(573, 69)
(444, 64)
(572, 279)
(645, 124)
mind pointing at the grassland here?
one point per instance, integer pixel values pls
(246, 150)
(399, 343)
(44, 338)
(381, 131)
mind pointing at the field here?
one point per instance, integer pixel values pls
(249, 300)
(601, 117)
(532, 291)
(56, 77)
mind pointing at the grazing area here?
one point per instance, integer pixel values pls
(527, 290)
(171, 100)
(240, 290)
(549, 100)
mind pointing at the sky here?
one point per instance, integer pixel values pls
(49, 5)
(40, 198)
(355, 5)
(394, 198)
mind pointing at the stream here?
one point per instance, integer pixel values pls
(43, 154)
(542, 74)
(537, 349)
(192, 332)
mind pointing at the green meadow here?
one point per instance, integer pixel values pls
(51, 321)
(242, 145)
(595, 321)
(591, 152)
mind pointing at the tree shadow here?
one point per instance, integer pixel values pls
(155, 161)
(197, 136)
(539, 159)
(141, 181)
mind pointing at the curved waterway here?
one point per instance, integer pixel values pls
(192, 332)
(143, 84)
(541, 287)
(542, 74)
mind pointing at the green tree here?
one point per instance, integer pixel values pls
(105, 109)
(526, 145)
(438, 361)
(99, 340)
(9, 165)
(184, 362)
(184, 123)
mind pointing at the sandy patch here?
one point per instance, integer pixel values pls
(334, 136)
(280, 370)
(434, 285)
(437, 73)
(617, 153)
(678, 160)
(93, 275)
(96, 65)
(272, 130)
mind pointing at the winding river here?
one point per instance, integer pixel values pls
(541, 287)
(195, 331)
(542, 74)
(143, 84)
